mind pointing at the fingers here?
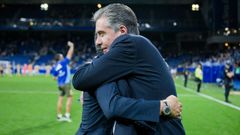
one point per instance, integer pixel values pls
(69, 43)
(177, 113)
(175, 106)
(180, 104)
(180, 107)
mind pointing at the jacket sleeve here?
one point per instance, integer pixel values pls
(114, 105)
(118, 62)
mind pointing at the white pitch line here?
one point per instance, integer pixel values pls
(28, 92)
(187, 95)
(210, 98)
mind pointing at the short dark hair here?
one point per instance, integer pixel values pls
(57, 56)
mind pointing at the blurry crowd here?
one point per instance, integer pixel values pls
(41, 52)
(213, 67)
(76, 16)
(35, 48)
(34, 55)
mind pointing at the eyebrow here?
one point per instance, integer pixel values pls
(100, 32)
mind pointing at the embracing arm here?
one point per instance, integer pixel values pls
(118, 62)
(114, 105)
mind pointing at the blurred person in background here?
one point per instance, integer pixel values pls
(228, 77)
(1, 70)
(199, 76)
(61, 73)
(185, 75)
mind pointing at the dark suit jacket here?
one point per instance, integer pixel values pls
(135, 59)
(93, 120)
(99, 121)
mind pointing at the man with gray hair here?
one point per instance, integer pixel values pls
(134, 59)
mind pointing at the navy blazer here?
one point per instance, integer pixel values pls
(135, 59)
(99, 121)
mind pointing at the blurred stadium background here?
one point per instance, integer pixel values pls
(185, 32)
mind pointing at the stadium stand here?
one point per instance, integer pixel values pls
(32, 36)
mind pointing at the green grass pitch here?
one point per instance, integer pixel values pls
(28, 107)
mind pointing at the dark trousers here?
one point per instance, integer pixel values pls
(227, 91)
(199, 83)
(185, 80)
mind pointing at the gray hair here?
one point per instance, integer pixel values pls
(118, 14)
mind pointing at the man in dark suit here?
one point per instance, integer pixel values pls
(134, 59)
(106, 104)
(101, 108)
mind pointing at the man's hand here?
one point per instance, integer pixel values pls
(70, 50)
(70, 44)
(175, 106)
(230, 74)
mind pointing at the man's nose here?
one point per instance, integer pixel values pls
(98, 41)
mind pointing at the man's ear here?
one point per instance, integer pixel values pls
(123, 29)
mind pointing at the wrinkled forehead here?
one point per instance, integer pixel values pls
(102, 23)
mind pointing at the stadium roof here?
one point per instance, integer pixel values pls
(97, 1)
